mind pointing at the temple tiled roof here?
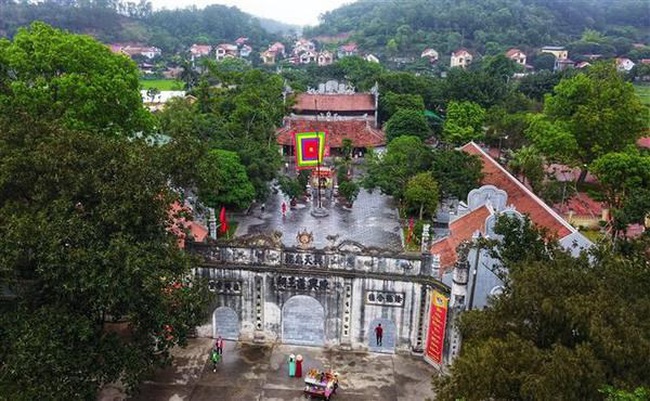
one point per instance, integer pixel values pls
(461, 229)
(335, 103)
(360, 131)
(523, 199)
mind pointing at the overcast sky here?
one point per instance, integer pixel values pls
(299, 12)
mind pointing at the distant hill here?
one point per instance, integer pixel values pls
(278, 27)
(170, 30)
(406, 27)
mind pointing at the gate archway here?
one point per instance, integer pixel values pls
(389, 335)
(303, 321)
(225, 323)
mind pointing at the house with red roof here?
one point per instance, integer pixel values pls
(278, 48)
(500, 193)
(347, 50)
(198, 51)
(461, 58)
(517, 56)
(337, 110)
(226, 50)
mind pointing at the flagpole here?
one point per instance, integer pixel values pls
(320, 205)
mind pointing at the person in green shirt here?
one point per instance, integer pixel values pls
(215, 357)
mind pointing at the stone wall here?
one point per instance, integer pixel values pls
(324, 297)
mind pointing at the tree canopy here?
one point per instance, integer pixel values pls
(464, 123)
(564, 328)
(71, 79)
(598, 109)
(95, 287)
(407, 122)
(405, 157)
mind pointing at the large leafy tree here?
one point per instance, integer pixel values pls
(243, 114)
(563, 328)
(528, 164)
(223, 181)
(71, 79)
(407, 122)
(456, 172)
(422, 193)
(625, 180)
(599, 110)
(86, 240)
(390, 103)
(405, 157)
(464, 123)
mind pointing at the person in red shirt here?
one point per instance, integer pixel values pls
(218, 345)
(379, 333)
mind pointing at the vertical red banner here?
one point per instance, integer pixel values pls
(437, 324)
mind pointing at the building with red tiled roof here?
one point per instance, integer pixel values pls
(643, 142)
(458, 252)
(350, 104)
(517, 56)
(500, 192)
(360, 131)
(522, 198)
(461, 229)
(461, 58)
(336, 109)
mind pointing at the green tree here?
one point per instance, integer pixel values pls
(390, 103)
(407, 122)
(349, 190)
(625, 181)
(464, 123)
(544, 62)
(223, 181)
(71, 79)
(87, 240)
(422, 193)
(528, 164)
(553, 139)
(600, 110)
(405, 157)
(638, 394)
(456, 172)
(244, 113)
(563, 328)
(291, 187)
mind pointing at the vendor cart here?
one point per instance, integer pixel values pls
(320, 385)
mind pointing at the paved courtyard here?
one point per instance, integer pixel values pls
(260, 372)
(372, 221)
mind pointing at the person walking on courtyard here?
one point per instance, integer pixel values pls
(218, 345)
(215, 357)
(379, 334)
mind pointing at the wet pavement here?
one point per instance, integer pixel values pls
(260, 372)
(372, 221)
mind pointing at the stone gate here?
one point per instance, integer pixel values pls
(334, 297)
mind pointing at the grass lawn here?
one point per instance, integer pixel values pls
(644, 93)
(162, 84)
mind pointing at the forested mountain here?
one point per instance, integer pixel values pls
(120, 21)
(397, 28)
(487, 26)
